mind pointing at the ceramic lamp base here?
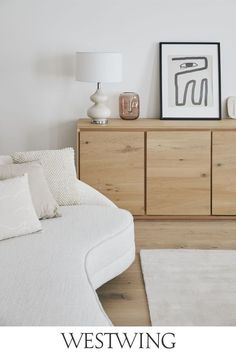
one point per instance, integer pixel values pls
(99, 112)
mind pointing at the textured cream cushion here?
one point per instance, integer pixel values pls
(17, 213)
(43, 201)
(59, 170)
(4, 160)
(49, 280)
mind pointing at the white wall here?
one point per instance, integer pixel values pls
(39, 99)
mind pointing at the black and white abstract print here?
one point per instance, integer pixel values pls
(190, 81)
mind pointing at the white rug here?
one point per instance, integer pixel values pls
(190, 287)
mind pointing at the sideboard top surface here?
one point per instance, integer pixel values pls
(146, 124)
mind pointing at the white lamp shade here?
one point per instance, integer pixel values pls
(98, 67)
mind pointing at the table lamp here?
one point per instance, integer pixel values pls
(99, 68)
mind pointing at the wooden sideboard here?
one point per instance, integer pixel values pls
(162, 169)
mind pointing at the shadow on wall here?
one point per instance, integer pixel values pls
(66, 134)
(151, 81)
(57, 135)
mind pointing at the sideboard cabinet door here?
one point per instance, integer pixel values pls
(178, 173)
(224, 173)
(113, 163)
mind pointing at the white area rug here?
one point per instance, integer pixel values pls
(190, 287)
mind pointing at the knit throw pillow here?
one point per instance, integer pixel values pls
(59, 170)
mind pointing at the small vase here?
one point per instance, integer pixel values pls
(129, 105)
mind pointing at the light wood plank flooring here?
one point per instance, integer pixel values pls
(124, 298)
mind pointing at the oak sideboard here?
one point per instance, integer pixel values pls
(162, 169)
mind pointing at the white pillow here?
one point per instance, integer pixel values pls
(17, 213)
(59, 170)
(45, 205)
(5, 160)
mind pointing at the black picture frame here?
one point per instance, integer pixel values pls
(216, 80)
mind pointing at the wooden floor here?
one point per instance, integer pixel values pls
(124, 298)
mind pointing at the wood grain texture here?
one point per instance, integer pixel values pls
(224, 173)
(186, 177)
(148, 124)
(185, 217)
(124, 298)
(113, 163)
(178, 173)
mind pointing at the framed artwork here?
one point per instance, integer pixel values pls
(190, 80)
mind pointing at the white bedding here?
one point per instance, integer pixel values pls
(48, 278)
